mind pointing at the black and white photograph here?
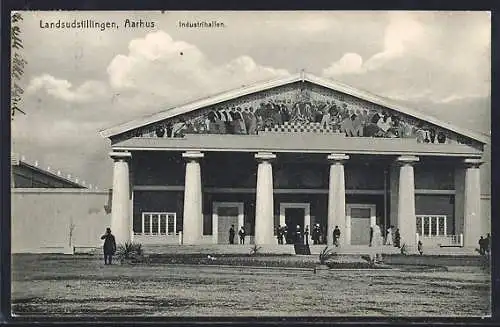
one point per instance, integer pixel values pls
(251, 164)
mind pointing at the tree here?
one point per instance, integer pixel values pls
(17, 64)
(71, 229)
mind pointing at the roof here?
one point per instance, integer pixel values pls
(56, 176)
(306, 77)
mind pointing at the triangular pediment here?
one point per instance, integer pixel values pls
(297, 104)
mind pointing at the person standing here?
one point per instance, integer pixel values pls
(397, 238)
(242, 234)
(487, 244)
(109, 246)
(388, 237)
(298, 235)
(279, 234)
(420, 247)
(284, 234)
(232, 233)
(241, 121)
(315, 234)
(246, 119)
(481, 245)
(252, 129)
(336, 236)
(306, 234)
(325, 118)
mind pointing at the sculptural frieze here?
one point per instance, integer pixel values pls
(295, 109)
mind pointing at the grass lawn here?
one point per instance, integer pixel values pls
(73, 285)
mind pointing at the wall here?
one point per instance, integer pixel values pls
(41, 219)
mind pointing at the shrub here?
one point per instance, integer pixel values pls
(255, 249)
(129, 250)
(326, 254)
(404, 249)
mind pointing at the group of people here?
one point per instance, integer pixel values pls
(392, 238)
(485, 245)
(299, 236)
(286, 236)
(241, 233)
(338, 116)
(316, 234)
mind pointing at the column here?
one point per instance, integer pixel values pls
(120, 199)
(393, 195)
(336, 200)
(264, 208)
(459, 200)
(472, 203)
(193, 215)
(406, 201)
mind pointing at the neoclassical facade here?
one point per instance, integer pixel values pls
(298, 151)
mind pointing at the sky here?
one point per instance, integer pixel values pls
(80, 81)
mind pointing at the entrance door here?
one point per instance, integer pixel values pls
(225, 215)
(294, 217)
(293, 214)
(359, 219)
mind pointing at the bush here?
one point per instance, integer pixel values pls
(255, 249)
(404, 249)
(129, 251)
(326, 254)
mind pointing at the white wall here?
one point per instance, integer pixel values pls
(41, 219)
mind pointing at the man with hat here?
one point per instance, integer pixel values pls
(109, 246)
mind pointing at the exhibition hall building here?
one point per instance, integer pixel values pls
(299, 152)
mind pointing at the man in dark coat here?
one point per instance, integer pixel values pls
(336, 236)
(315, 234)
(109, 246)
(481, 246)
(279, 234)
(242, 234)
(306, 235)
(298, 235)
(232, 233)
(397, 239)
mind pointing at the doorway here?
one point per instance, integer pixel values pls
(225, 215)
(294, 217)
(359, 218)
(293, 214)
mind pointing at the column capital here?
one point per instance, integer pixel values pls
(407, 159)
(265, 156)
(337, 157)
(116, 155)
(473, 162)
(193, 155)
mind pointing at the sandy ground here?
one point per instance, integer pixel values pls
(76, 286)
